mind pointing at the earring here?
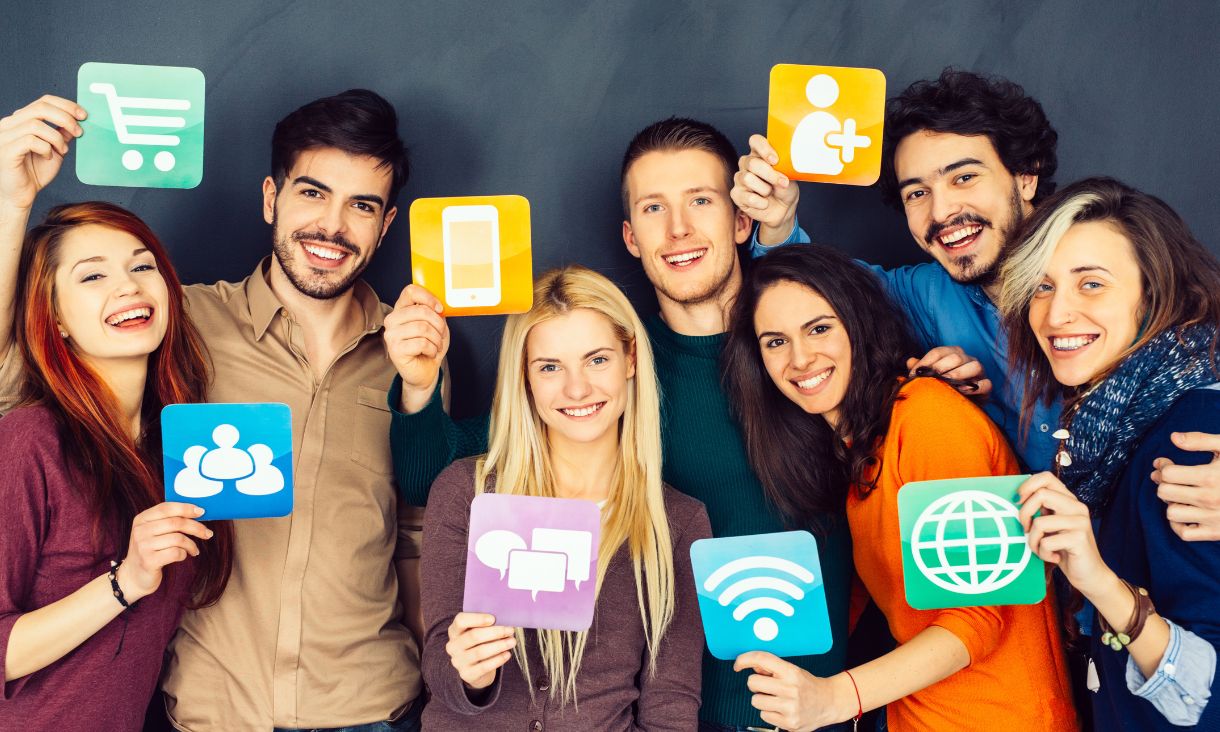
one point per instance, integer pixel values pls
(63, 333)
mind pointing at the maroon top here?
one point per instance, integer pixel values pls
(47, 553)
(613, 688)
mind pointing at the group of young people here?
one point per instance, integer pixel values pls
(1070, 334)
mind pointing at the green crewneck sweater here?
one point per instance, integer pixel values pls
(704, 457)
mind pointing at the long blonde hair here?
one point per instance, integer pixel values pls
(518, 462)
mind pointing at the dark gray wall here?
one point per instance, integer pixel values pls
(539, 98)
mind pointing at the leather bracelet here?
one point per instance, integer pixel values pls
(114, 583)
(1117, 640)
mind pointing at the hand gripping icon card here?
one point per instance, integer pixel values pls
(963, 544)
(473, 253)
(532, 562)
(145, 126)
(232, 460)
(825, 122)
(762, 593)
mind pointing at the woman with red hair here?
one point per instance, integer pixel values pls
(95, 570)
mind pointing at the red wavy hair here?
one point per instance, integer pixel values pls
(126, 473)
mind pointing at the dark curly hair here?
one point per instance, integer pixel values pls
(805, 466)
(965, 103)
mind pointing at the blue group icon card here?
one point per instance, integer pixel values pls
(232, 460)
(762, 593)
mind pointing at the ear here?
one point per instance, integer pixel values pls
(385, 224)
(1027, 186)
(629, 239)
(742, 226)
(631, 360)
(269, 194)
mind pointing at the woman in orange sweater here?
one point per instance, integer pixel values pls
(816, 364)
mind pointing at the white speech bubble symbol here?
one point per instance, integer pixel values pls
(577, 545)
(494, 547)
(537, 571)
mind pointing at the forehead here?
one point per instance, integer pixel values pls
(92, 240)
(789, 303)
(922, 154)
(577, 332)
(1094, 244)
(673, 171)
(343, 172)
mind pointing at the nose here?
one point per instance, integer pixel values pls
(802, 355)
(1062, 309)
(945, 205)
(330, 218)
(126, 285)
(576, 385)
(679, 227)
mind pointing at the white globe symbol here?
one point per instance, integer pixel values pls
(983, 534)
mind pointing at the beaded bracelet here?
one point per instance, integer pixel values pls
(114, 583)
(1117, 640)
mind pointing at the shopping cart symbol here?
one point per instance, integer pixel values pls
(123, 122)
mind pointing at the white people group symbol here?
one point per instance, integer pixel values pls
(821, 144)
(207, 468)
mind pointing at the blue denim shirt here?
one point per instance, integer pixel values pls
(946, 313)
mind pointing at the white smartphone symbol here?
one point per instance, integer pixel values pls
(472, 256)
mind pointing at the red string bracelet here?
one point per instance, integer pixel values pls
(859, 704)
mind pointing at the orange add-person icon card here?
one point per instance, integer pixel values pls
(825, 122)
(473, 253)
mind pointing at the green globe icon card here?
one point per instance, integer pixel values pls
(963, 545)
(145, 126)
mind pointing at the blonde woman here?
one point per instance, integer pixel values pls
(576, 415)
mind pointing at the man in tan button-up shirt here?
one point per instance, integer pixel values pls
(310, 631)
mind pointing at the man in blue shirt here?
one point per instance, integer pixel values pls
(965, 159)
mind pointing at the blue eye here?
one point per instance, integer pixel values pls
(702, 201)
(547, 368)
(599, 360)
(652, 208)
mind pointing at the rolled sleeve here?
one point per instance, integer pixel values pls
(1181, 685)
(798, 236)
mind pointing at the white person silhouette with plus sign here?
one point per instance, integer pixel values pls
(821, 144)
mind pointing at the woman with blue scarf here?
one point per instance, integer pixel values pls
(1111, 303)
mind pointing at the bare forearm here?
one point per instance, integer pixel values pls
(44, 636)
(933, 655)
(13, 221)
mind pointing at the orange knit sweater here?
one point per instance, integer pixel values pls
(1017, 678)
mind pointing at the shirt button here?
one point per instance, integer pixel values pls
(544, 683)
(536, 725)
(1044, 428)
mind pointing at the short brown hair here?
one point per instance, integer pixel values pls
(672, 135)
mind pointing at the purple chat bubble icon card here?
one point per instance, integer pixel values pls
(532, 562)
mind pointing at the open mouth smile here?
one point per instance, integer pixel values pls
(582, 412)
(681, 260)
(811, 384)
(1070, 344)
(131, 318)
(960, 237)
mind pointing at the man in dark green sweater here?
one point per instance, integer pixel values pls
(685, 230)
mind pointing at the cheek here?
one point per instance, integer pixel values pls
(774, 362)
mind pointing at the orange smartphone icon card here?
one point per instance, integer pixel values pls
(825, 122)
(473, 253)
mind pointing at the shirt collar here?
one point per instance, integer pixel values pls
(264, 305)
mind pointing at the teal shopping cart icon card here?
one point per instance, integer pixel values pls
(232, 460)
(145, 126)
(762, 593)
(963, 544)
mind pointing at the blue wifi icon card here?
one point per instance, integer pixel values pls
(762, 593)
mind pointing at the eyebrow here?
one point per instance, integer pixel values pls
(1090, 268)
(138, 251)
(314, 182)
(687, 192)
(942, 171)
(594, 352)
(805, 326)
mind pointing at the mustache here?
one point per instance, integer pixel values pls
(339, 241)
(934, 229)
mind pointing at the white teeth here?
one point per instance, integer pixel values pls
(686, 258)
(583, 411)
(960, 234)
(129, 315)
(324, 252)
(1073, 343)
(814, 380)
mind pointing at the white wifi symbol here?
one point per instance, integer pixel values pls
(765, 628)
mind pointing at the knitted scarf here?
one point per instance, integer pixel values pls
(1115, 414)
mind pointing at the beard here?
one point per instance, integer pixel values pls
(711, 291)
(310, 281)
(971, 269)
